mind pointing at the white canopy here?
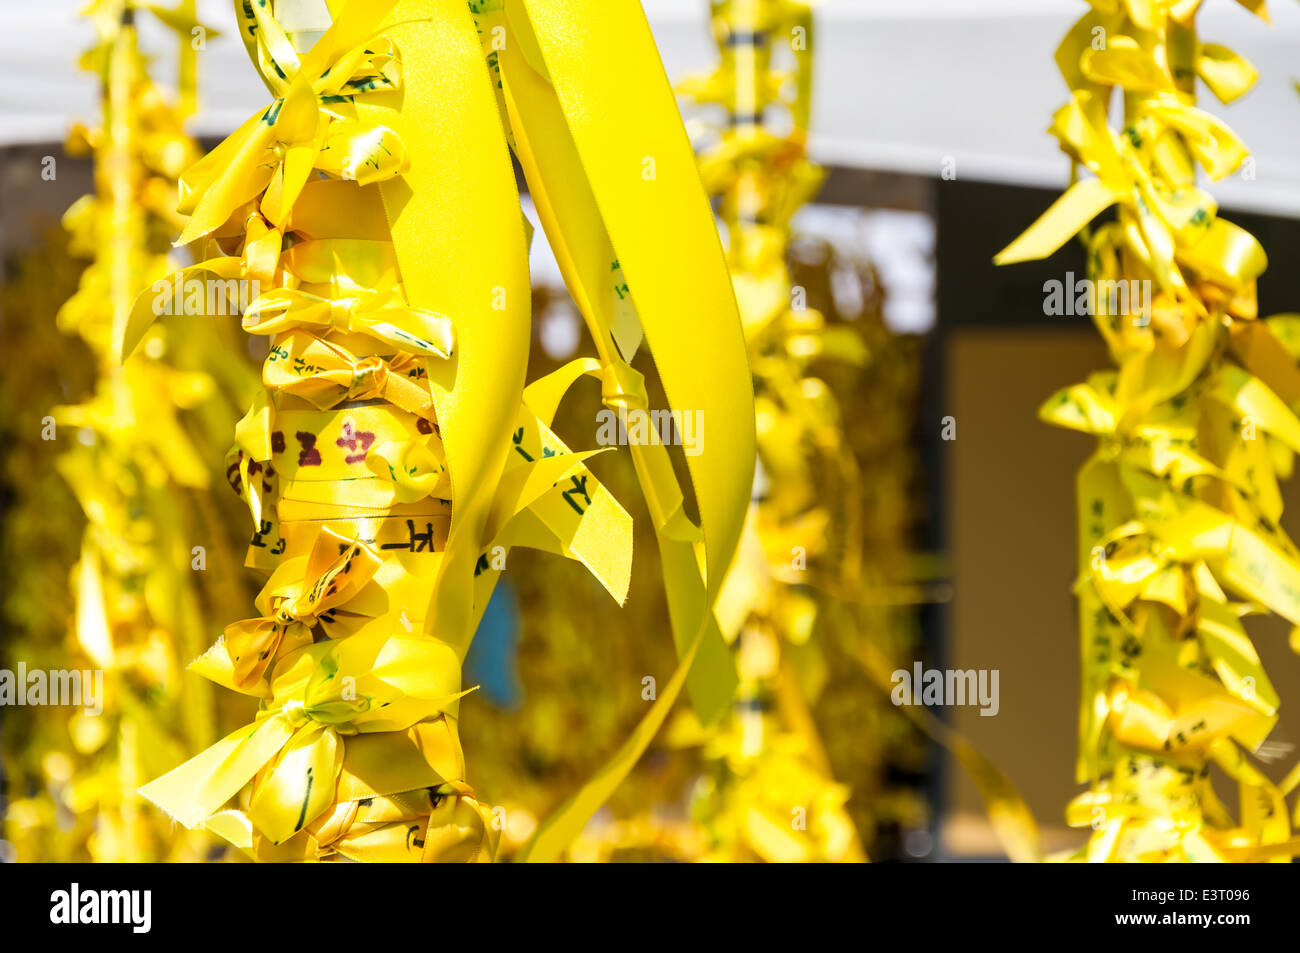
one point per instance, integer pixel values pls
(901, 84)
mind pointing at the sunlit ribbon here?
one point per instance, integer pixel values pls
(275, 151)
(322, 589)
(1167, 223)
(325, 373)
(1180, 503)
(376, 314)
(458, 240)
(293, 752)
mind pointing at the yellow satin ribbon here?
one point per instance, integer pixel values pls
(318, 695)
(408, 329)
(391, 83)
(1164, 221)
(583, 143)
(325, 373)
(612, 176)
(1180, 504)
(326, 592)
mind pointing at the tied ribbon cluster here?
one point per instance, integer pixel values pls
(138, 475)
(333, 655)
(348, 461)
(766, 755)
(1179, 508)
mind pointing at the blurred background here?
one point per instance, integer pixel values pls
(929, 117)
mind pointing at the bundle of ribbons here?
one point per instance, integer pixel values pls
(1179, 508)
(768, 793)
(394, 456)
(136, 467)
(802, 591)
(869, 578)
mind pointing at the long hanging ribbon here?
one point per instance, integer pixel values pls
(614, 181)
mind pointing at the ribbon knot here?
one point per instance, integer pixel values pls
(295, 610)
(383, 316)
(622, 387)
(341, 311)
(326, 373)
(293, 752)
(295, 712)
(1175, 223)
(369, 378)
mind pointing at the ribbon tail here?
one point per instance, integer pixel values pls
(1080, 204)
(557, 831)
(198, 788)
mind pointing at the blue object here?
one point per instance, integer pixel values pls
(493, 659)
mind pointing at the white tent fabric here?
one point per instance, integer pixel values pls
(901, 86)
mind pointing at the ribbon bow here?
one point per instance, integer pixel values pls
(1171, 223)
(313, 123)
(293, 751)
(380, 315)
(399, 797)
(303, 593)
(326, 374)
(1145, 422)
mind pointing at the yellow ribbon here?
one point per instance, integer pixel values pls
(324, 589)
(318, 695)
(325, 373)
(1180, 504)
